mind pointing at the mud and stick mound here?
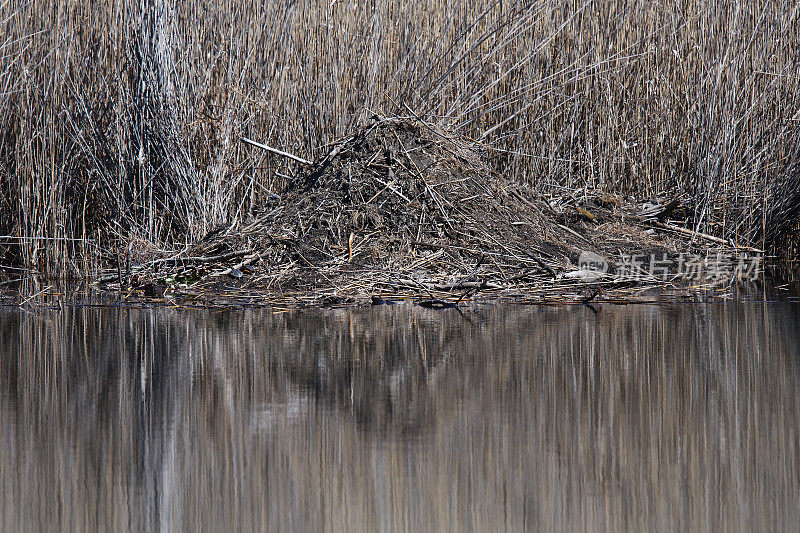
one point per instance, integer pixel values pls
(403, 208)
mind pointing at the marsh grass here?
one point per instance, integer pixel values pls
(120, 123)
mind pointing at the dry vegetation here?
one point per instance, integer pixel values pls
(402, 208)
(120, 123)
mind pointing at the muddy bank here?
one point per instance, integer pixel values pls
(403, 209)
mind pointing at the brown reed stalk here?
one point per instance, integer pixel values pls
(119, 124)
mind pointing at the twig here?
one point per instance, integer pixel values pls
(578, 235)
(705, 236)
(276, 151)
(247, 260)
(201, 259)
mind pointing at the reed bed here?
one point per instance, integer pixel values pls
(121, 123)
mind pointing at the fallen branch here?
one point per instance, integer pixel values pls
(705, 236)
(276, 151)
(238, 266)
(201, 259)
(449, 287)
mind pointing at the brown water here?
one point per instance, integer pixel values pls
(401, 418)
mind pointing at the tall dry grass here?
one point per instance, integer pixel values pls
(119, 123)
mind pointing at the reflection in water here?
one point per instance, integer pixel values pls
(635, 417)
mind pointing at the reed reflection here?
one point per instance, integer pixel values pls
(401, 417)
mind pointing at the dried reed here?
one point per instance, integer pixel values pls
(120, 122)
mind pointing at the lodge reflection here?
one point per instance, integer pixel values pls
(633, 417)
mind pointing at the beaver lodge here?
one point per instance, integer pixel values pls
(404, 210)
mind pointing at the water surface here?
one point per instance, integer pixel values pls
(398, 417)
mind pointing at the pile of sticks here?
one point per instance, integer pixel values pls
(402, 209)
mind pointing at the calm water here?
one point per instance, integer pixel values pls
(401, 418)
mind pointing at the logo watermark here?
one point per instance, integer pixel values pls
(715, 268)
(592, 262)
